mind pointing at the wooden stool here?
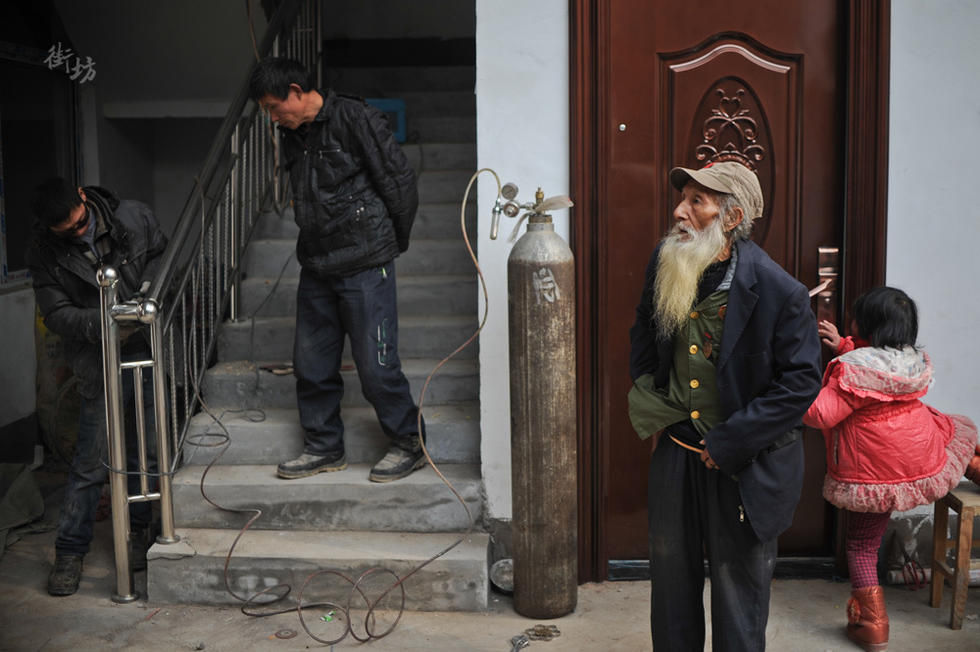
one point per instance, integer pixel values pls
(965, 501)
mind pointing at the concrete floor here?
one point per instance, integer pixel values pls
(806, 615)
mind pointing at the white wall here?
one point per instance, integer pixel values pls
(17, 360)
(522, 133)
(933, 212)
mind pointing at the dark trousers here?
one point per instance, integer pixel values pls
(364, 308)
(89, 468)
(696, 512)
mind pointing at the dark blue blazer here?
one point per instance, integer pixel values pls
(768, 375)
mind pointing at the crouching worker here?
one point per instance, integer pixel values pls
(77, 231)
(355, 199)
(725, 360)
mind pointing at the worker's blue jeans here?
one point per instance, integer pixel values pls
(363, 307)
(89, 468)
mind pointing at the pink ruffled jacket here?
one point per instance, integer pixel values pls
(886, 450)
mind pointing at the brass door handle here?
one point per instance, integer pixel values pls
(828, 278)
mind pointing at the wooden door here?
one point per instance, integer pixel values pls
(682, 83)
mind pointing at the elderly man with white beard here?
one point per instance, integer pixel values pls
(725, 360)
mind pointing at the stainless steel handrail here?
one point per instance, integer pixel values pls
(284, 17)
(195, 289)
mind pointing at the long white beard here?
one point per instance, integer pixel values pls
(679, 268)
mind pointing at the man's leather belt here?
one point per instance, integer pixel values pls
(782, 442)
(677, 441)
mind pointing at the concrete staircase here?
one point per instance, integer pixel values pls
(341, 520)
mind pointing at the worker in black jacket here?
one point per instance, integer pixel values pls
(77, 231)
(355, 198)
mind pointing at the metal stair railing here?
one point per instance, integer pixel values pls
(195, 288)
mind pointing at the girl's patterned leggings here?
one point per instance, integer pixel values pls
(864, 533)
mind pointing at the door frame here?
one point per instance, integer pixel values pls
(864, 207)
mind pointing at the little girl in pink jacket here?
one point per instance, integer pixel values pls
(886, 449)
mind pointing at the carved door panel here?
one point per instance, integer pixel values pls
(690, 83)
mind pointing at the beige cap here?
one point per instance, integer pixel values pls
(727, 177)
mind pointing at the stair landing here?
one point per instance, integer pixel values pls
(192, 570)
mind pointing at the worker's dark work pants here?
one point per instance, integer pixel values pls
(363, 307)
(695, 511)
(90, 465)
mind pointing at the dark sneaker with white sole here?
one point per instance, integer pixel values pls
(396, 464)
(308, 464)
(65, 575)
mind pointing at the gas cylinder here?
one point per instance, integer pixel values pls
(541, 303)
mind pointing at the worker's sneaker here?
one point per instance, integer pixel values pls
(396, 464)
(309, 464)
(65, 575)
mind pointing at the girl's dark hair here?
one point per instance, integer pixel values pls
(887, 316)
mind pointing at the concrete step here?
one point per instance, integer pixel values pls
(342, 500)
(442, 294)
(272, 225)
(242, 384)
(271, 338)
(392, 81)
(452, 436)
(444, 186)
(425, 156)
(434, 220)
(441, 220)
(442, 129)
(268, 258)
(192, 570)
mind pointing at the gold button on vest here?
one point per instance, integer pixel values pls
(693, 349)
(694, 314)
(695, 384)
(695, 414)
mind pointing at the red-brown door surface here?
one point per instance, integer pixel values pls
(688, 82)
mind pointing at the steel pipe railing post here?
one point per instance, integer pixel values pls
(235, 230)
(119, 493)
(246, 199)
(167, 533)
(318, 17)
(143, 465)
(279, 193)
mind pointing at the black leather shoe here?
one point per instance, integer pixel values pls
(308, 464)
(65, 575)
